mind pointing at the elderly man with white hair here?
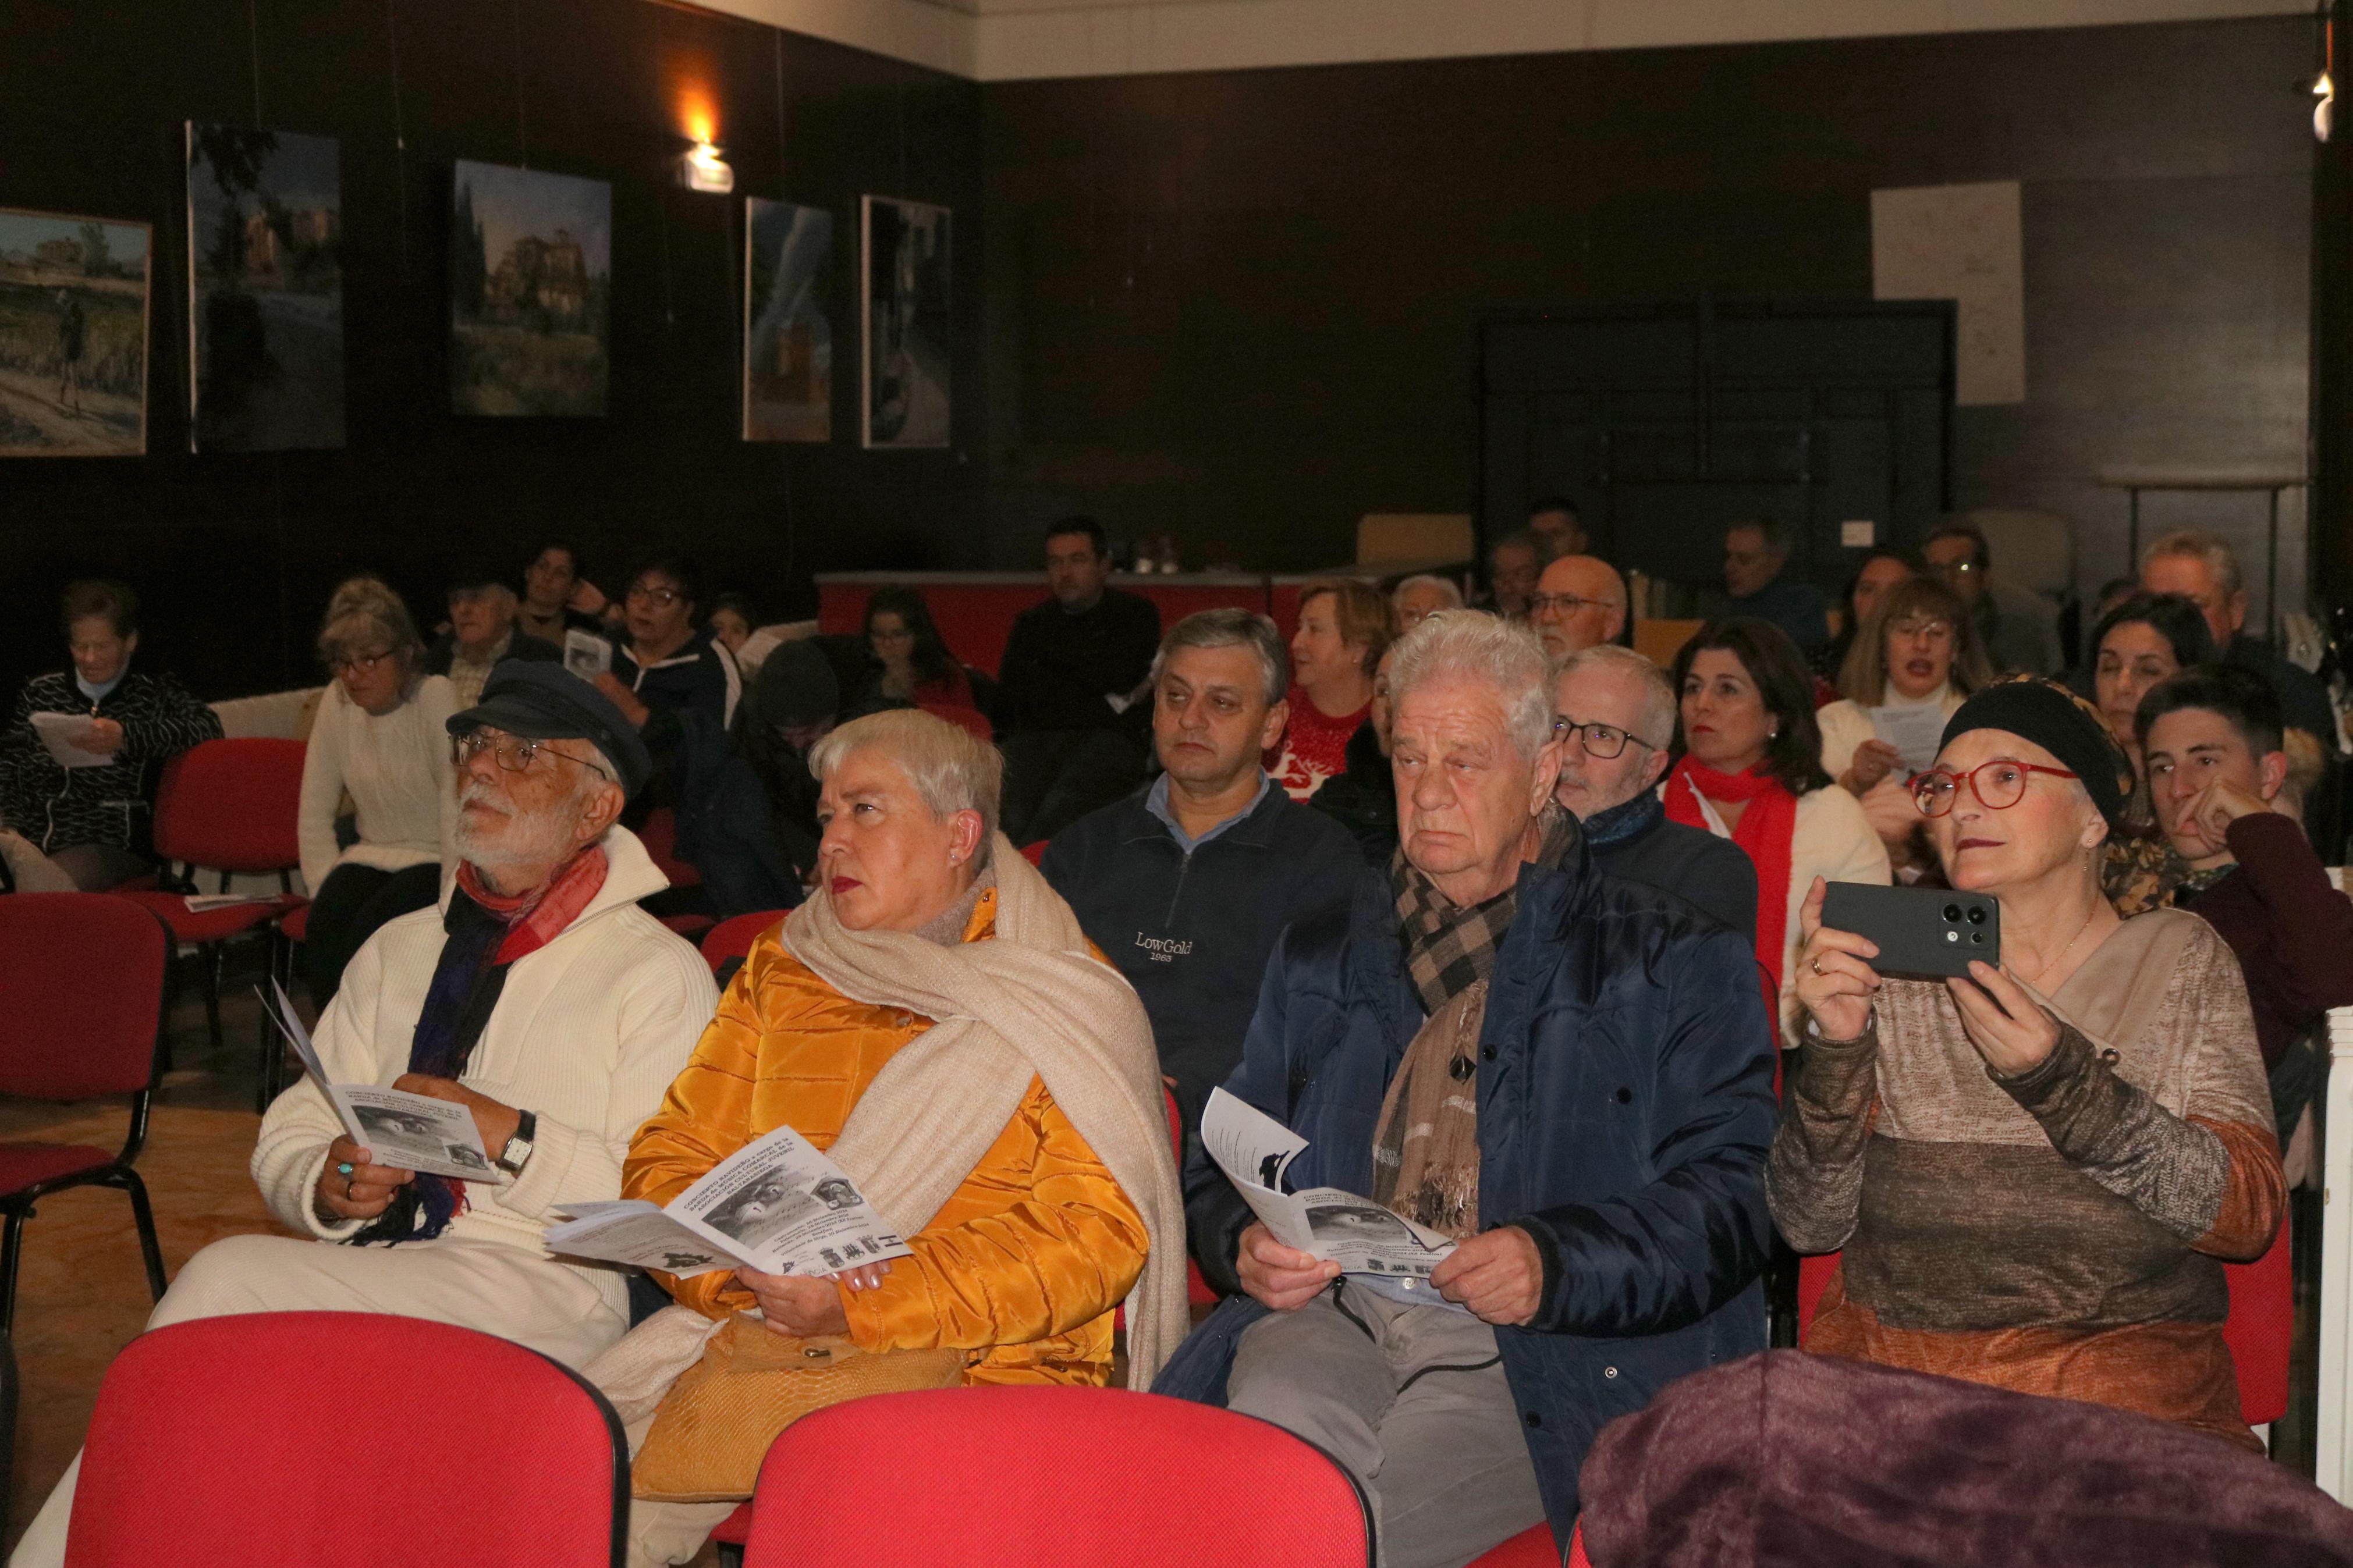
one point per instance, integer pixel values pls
(538, 996)
(1568, 1074)
(1421, 597)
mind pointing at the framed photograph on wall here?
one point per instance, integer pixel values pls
(903, 311)
(789, 294)
(530, 278)
(73, 335)
(265, 289)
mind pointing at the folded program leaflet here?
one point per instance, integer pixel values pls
(399, 1130)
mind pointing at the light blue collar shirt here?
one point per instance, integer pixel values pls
(1157, 802)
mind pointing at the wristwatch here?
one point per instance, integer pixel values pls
(518, 1150)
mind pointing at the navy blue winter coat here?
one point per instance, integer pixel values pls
(1625, 1105)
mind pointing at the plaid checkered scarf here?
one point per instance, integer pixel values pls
(1426, 1143)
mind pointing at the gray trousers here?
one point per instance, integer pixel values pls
(1438, 1451)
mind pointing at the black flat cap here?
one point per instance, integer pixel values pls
(547, 702)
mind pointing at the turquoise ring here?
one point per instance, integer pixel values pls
(343, 1167)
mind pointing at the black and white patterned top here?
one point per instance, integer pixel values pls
(58, 807)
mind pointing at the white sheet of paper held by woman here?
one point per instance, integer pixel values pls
(777, 1205)
(1254, 1151)
(399, 1130)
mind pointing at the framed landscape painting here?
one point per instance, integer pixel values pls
(787, 328)
(73, 335)
(903, 288)
(265, 289)
(531, 274)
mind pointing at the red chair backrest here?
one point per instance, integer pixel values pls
(2261, 1329)
(232, 805)
(215, 1443)
(733, 937)
(1034, 853)
(61, 1035)
(972, 719)
(985, 1476)
(659, 836)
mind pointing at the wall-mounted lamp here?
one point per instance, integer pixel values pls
(2324, 113)
(703, 169)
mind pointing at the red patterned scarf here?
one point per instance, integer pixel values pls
(1764, 832)
(534, 918)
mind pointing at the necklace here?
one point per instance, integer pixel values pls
(2036, 978)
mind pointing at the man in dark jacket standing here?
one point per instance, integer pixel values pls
(1068, 691)
(1567, 1072)
(1187, 882)
(1615, 713)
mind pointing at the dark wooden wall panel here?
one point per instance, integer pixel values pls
(1240, 307)
(235, 552)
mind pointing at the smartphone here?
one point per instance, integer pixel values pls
(1923, 932)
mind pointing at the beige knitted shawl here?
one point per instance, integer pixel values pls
(1035, 1000)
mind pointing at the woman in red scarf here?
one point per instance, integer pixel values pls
(1749, 769)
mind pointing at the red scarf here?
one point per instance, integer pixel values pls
(536, 917)
(1764, 832)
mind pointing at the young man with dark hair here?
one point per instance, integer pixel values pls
(2211, 738)
(1070, 686)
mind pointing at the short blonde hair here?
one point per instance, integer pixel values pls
(1361, 612)
(952, 770)
(365, 616)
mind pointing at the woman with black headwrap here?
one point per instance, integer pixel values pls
(2036, 1171)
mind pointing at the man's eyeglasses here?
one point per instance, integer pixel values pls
(512, 752)
(1997, 784)
(1954, 568)
(1601, 742)
(1566, 604)
(644, 593)
(364, 663)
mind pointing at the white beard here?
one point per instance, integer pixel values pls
(521, 840)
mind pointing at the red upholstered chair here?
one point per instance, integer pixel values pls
(63, 1037)
(733, 937)
(1034, 853)
(985, 1477)
(1532, 1548)
(659, 836)
(230, 807)
(971, 719)
(213, 1444)
(2261, 1328)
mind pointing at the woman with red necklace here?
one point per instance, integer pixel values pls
(1344, 626)
(1749, 769)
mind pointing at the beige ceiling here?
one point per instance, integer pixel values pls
(1004, 40)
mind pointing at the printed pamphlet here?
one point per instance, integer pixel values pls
(403, 1130)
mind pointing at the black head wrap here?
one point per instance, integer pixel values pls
(2062, 724)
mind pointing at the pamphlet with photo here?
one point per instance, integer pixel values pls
(399, 1130)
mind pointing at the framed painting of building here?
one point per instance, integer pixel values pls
(531, 270)
(788, 274)
(902, 299)
(73, 335)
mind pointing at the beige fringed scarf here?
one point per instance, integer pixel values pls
(1035, 1000)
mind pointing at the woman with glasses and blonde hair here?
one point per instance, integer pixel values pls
(2037, 1171)
(380, 735)
(1916, 658)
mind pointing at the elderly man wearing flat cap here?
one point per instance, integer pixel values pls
(539, 996)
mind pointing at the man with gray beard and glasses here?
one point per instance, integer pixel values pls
(540, 997)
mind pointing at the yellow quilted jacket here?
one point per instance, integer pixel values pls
(1023, 1264)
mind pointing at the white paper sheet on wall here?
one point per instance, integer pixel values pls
(1960, 243)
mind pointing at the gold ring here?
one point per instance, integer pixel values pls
(1817, 965)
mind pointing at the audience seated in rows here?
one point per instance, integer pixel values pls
(381, 740)
(1750, 770)
(1756, 553)
(1579, 602)
(2035, 1170)
(90, 826)
(1614, 712)
(481, 632)
(1881, 569)
(1187, 883)
(2210, 741)
(2204, 570)
(1020, 1146)
(544, 979)
(912, 663)
(2016, 627)
(1918, 651)
(1362, 798)
(1344, 625)
(1554, 520)
(557, 596)
(1513, 564)
(1418, 597)
(1068, 688)
(1522, 988)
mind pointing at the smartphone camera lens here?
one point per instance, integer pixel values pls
(1977, 916)
(1952, 913)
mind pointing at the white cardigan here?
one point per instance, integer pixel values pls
(587, 1034)
(396, 766)
(1832, 840)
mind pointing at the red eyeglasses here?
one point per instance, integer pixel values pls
(1997, 784)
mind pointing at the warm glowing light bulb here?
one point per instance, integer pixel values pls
(707, 171)
(2323, 87)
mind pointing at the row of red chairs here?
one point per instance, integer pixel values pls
(212, 1444)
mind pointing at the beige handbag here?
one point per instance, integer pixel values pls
(715, 1425)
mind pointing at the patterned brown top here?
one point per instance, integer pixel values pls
(2054, 1233)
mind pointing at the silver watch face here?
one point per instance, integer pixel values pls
(516, 1151)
